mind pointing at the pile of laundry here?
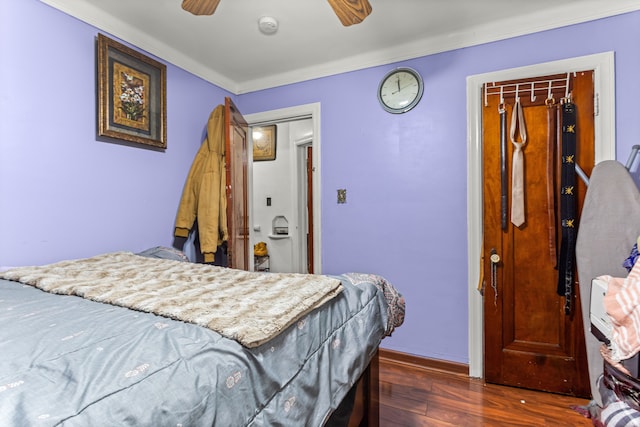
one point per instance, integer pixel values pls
(619, 385)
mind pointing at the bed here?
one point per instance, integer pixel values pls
(93, 361)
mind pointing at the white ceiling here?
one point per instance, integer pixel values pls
(228, 50)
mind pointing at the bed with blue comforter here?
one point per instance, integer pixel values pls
(68, 360)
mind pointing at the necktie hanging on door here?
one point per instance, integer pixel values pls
(504, 196)
(553, 119)
(517, 169)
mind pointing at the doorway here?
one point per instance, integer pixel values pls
(604, 136)
(297, 151)
(280, 215)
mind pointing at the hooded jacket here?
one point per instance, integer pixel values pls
(203, 197)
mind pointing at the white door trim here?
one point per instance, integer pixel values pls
(311, 111)
(604, 128)
(299, 176)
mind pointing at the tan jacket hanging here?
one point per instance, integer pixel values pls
(203, 197)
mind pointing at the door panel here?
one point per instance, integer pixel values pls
(236, 156)
(529, 341)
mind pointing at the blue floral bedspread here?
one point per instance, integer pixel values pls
(67, 361)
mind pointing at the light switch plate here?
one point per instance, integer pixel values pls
(342, 195)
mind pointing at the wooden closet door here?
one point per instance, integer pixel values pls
(529, 340)
(236, 157)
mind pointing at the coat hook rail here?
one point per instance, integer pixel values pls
(530, 87)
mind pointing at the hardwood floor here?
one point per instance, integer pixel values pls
(412, 396)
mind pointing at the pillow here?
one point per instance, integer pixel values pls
(164, 253)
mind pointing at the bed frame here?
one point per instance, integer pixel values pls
(366, 410)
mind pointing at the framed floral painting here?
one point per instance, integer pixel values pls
(131, 95)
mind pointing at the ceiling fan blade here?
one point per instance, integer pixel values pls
(200, 7)
(351, 11)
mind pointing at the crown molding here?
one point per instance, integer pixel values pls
(561, 16)
(131, 35)
(473, 36)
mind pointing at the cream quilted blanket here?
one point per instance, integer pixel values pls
(248, 307)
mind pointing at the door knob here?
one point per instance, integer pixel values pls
(495, 258)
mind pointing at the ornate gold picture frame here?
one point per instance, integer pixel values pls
(264, 143)
(132, 103)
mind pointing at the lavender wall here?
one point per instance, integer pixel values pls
(63, 194)
(406, 175)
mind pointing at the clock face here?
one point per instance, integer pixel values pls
(400, 90)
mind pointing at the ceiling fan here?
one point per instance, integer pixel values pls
(348, 11)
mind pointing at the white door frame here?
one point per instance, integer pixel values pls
(311, 111)
(299, 175)
(604, 128)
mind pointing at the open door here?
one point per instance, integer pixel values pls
(236, 159)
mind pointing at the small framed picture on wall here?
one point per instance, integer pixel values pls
(264, 143)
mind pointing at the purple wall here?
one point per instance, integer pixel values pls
(64, 194)
(405, 175)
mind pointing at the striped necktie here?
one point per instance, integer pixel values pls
(517, 171)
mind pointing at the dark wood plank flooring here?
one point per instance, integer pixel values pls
(413, 396)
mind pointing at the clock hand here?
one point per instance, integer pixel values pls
(403, 87)
(400, 88)
(398, 80)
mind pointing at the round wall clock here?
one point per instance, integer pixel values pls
(400, 90)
